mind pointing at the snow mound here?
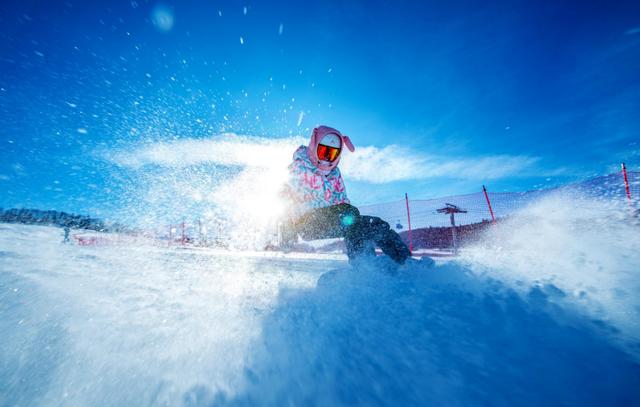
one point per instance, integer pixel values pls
(145, 325)
(442, 337)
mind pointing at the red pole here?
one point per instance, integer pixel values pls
(486, 196)
(626, 182)
(406, 198)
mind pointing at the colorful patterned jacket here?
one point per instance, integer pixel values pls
(311, 188)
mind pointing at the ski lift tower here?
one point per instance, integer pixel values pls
(452, 209)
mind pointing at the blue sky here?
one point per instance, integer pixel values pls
(438, 97)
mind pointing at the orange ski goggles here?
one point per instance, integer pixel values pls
(327, 153)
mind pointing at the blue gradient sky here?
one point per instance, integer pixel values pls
(550, 88)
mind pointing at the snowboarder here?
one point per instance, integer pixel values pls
(319, 207)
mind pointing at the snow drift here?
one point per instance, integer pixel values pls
(541, 313)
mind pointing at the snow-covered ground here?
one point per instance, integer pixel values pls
(545, 314)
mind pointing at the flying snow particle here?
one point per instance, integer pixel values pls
(244, 10)
(280, 29)
(300, 116)
(330, 70)
(82, 130)
(241, 41)
(162, 18)
(71, 104)
(38, 53)
(220, 13)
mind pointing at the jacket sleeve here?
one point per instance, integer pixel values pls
(339, 189)
(297, 189)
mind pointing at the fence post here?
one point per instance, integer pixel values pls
(486, 196)
(406, 198)
(454, 234)
(626, 182)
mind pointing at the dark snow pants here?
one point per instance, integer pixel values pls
(361, 233)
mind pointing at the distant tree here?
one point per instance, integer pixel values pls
(58, 218)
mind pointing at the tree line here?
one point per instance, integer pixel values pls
(57, 218)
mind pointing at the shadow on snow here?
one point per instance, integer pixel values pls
(437, 336)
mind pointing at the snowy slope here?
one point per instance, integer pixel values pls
(143, 325)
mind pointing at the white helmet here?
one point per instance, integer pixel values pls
(331, 140)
